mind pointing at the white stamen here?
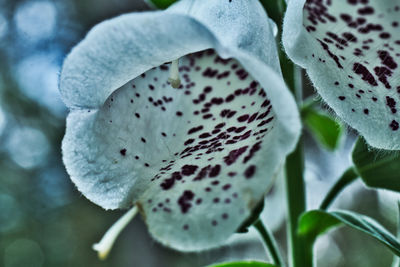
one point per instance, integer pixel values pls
(106, 243)
(174, 74)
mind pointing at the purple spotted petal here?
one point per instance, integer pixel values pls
(195, 159)
(351, 51)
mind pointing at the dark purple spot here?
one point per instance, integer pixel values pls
(188, 169)
(195, 129)
(384, 35)
(394, 125)
(391, 103)
(226, 187)
(383, 73)
(220, 125)
(231, 114)
(188, 142)
(366, 11)
(202, 173)
(364, 73)
(215, 183)
(249, 172)
(217, 100)
(231, 129)
(229, 98)
(207, 89)
(240, 129)
(333, 56)
(223, 75)
(242, 74)
(252, 117)
(234, 155)
(167, 183)
(204, 135)
(215, 171)
(387, 60)
(184, 201)
(253, 150)
(210, 72)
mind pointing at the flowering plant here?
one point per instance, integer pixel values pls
(184, 115)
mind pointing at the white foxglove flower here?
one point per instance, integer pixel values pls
(351, 51)
(194, 159)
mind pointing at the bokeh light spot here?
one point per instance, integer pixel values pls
(28, 147)
(36, 20)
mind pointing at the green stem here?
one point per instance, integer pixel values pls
(270, 242)
(301, 255)
(347, 178)
(275, 10)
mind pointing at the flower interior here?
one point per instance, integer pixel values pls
(195, 153)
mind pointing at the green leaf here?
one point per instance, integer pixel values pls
(316, 222)
(377, 168)
(160, 4)
(396, 260)
(243, 264)
(324, 128)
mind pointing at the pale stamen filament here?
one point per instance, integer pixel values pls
(104, 246)
(174, 74)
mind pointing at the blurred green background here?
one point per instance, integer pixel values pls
(44, 221)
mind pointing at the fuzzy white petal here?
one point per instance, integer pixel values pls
(351, 52)
(128, 134)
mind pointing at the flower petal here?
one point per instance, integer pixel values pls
(146, 142)
(351, 51)
(219, 164)
(122, 48)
